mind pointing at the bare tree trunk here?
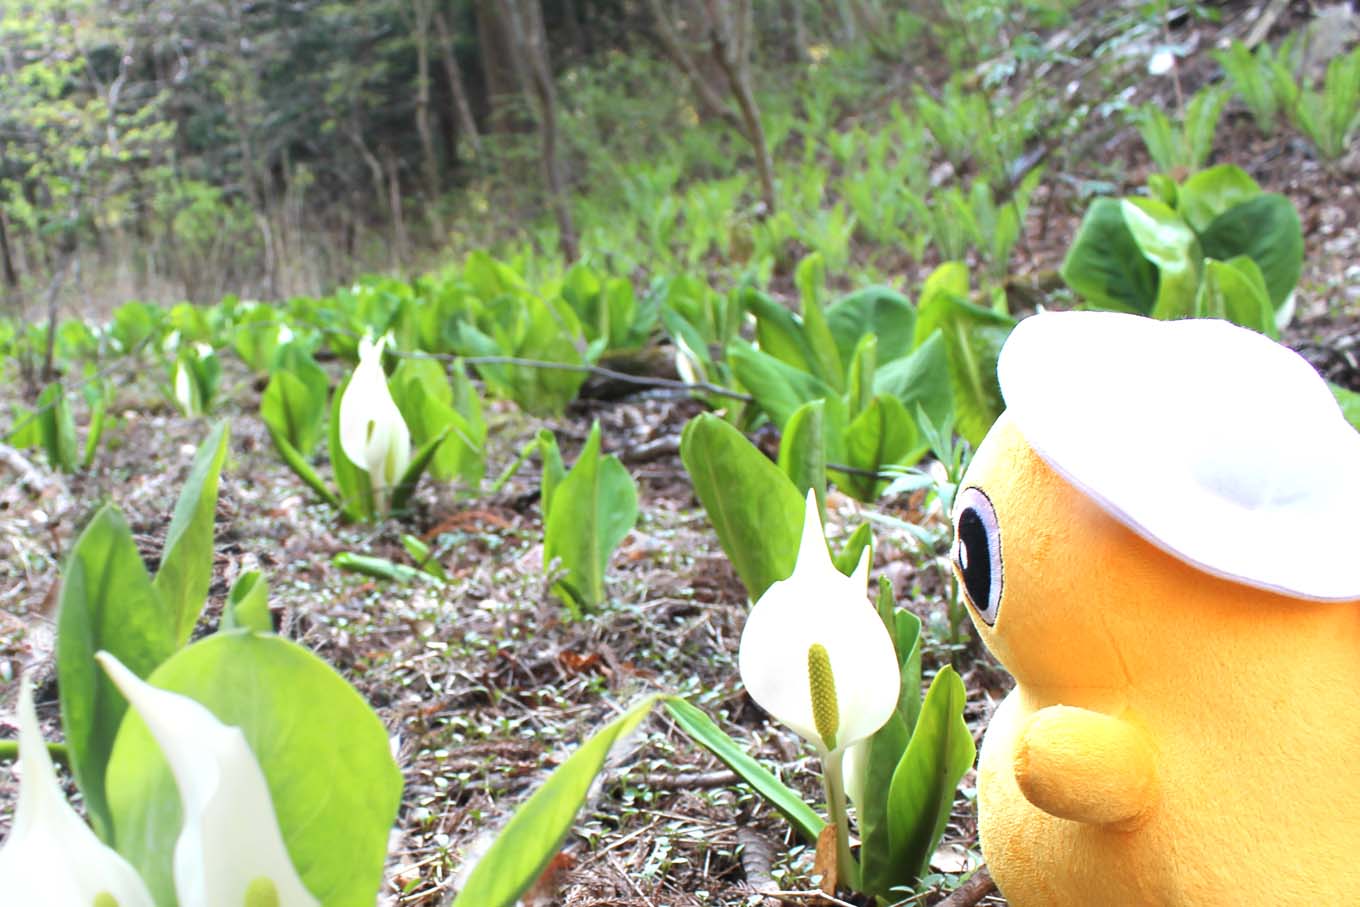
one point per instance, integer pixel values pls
(800, 39)
(7, 256)
(728, 28)
(704, 93)
(400, 245)
(422, 11)
(524, 25)
(498, 58)
(467, 124)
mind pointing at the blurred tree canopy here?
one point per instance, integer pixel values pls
(211, 145)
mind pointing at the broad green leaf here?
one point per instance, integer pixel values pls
(923, 784)
(920, 380)
(755, 509)
(108, 603)
(593, 508)
(802, 450)
(973, 337)
(706, 733)
(554, 470)
(186, 561)
(1209, 193)
(57, 428)
(779, 333)
(298, 463)
(1236, 291)
(880, 311)
(535, 832)
(1349, 401)
(778, 387)
(1266, 229)
(380, 568)
(882, 435)
(423, 555)
(883, 752)
(859, 385)
(810, 275)
(1166, 241)
(292, 410)
(847, 559)
(420, 461)
(324, 753)
(247, 606)
(1105, 267)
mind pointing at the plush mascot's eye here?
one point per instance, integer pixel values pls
(977, 552)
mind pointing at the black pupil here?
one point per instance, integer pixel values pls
(975, 561)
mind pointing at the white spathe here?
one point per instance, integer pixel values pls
(186, 394)
(819, 605)
(372, 433)
(51, 856)
(231, 839)
(1213, 442)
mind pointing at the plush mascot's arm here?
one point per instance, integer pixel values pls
(1086, 766)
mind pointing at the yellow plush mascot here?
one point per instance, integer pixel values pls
(1160, 540)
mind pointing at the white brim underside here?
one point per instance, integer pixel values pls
(1211, 441)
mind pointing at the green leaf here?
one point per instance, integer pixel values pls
(554, 471)
(920, 379)
(186, 561)
(247, 605)
(922, 789)
(703, 731)
(423, 556)
(884, 751)
(304, 470)
(1265, 228)
(848, 558)
(324, 753)
(779, 388)
(802, 449)
(810, 275)
(534, 834)
(57, 428)
(883, 435)
(1166, 241)
(593, 508)
(755, 509)
(1235, 290)
(380, 568)
(1349, 401)
(779, 333)
(880, 311)
(1105, 267)
(292, 410)
(973, 337)
(1209, 193)
(420, 460)
(108, 603)
(859, 390)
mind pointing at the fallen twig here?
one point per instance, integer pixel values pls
(978, 886)
(757, 856)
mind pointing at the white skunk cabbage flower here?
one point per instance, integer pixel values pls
(372, 433)
(186, 394)
(51, 856)
(815, 653)
(230, 852)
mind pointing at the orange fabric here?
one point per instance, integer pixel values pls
(1208, 751)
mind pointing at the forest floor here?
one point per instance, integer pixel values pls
(485, 683)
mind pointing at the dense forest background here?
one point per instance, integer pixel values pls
(182, 149)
